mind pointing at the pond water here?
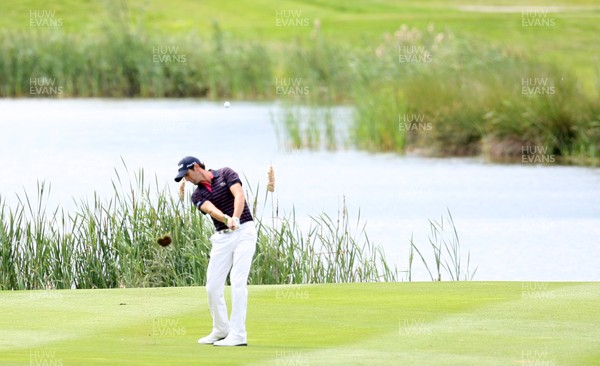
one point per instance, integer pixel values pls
(518, 222)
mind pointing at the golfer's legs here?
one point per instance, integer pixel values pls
(221, 259)
(242, 259)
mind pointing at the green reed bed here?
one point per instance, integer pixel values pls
(108, 242)
(447, 96)
(329, 251)
(417, 89)
(126, 62)
(429, 91)
(102, 244)
(317, 127)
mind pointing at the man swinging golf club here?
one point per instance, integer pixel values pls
(219, 193)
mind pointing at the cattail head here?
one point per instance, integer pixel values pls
(182, 190)
(271, 176)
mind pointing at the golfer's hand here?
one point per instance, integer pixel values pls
(232, 222)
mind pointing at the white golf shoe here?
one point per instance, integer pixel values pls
(212, 338)
(231, 341)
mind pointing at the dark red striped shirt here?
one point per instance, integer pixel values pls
(221, 195)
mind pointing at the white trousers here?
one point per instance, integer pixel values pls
(230, 252)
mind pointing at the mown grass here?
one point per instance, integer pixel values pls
(471, 323)
(109, 242)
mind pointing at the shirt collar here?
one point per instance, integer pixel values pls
(208, 185)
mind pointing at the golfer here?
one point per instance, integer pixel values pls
(219, 193)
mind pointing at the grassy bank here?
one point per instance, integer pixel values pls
(570, 42)
(452, 96)
(428, 91)
(434, 77)
(474, 323)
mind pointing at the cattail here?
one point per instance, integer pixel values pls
(182, 190)
(316, 28)
(271, 184)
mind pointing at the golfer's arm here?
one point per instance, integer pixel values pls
(213, 211)
(239, 200)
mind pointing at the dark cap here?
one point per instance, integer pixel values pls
(186, 164)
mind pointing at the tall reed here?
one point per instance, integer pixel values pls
(108, 242)
(302, 127)
(447, 253)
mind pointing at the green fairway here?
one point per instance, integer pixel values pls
(469, 323)
(571, 41)
(351, 20)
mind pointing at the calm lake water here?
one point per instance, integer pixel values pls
(519, 222)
